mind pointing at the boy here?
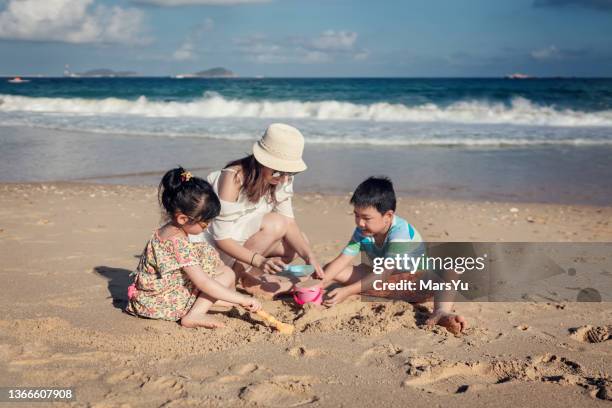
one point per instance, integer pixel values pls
(380, 235)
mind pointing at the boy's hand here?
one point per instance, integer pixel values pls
(336, 296)
(251, 304)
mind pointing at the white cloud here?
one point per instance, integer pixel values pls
(316, 57)
(328, 46)
(175, 3)
(71, 21)
(184, 52)
(331, 40)
(550, 52)
(187, 50)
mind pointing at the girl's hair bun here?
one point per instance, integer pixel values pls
(179, 191)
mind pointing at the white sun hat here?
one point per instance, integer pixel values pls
(280, 148)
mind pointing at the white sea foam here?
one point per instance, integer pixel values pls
(319, 138)
(520, 111)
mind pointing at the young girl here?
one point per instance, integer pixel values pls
(178, 280)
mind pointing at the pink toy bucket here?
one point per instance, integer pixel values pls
(308, 292)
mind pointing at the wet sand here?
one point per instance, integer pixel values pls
(572, 174)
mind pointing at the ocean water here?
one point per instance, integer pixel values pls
(536, 139)
(402, 112)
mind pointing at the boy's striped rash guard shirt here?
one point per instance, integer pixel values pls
(401, 239)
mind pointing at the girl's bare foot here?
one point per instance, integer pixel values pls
(454, 323)
(205, 321)
(221, 306)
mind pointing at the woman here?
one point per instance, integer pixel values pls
(256, 232)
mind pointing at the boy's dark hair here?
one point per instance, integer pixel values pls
(192, 196)
(375, 192)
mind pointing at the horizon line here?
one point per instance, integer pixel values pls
(308, 77)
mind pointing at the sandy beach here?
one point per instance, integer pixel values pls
(493, 123)
(68, 248)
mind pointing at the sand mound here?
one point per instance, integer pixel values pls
(357, 317)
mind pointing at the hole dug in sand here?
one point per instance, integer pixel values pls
(592, 334)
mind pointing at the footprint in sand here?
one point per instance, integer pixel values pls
(136, 387)
(450, 379)
(127, 376)
(237, 373)
(592, 334)
(244, 369)
(165, 386)
(228, 379)
(280, 391)
(196, 371)
(461, 377)
(382, 355)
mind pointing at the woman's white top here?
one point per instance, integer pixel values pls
(241, 219)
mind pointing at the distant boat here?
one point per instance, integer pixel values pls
(18, 80)
(518, 75)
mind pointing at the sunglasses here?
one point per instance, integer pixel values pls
(277, 173)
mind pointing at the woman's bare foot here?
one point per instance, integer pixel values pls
(205, 321)
(454, 323)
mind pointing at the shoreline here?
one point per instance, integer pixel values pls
(307, 195)
(580, 175)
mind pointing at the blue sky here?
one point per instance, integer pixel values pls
(309, 37)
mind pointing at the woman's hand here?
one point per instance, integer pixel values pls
(318, 270)
(250, 304)
(272, 265)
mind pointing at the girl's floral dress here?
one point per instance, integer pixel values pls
(161, 289)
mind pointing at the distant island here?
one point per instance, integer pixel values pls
(217, 72)
(100, 73)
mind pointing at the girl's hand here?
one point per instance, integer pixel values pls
(272, 265)
(251, 304)
(336, 296)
